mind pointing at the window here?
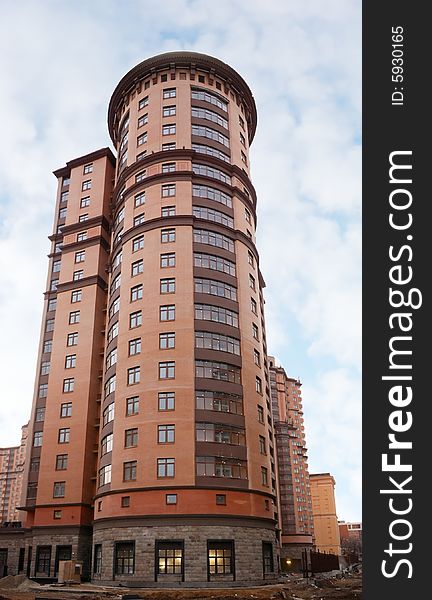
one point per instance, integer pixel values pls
(221, 499)
(210, 151)
(111, 358)
(264, 476)
(165, 467)
(56, 266)
(142, 139)
(255, 331)
(168, 189)
(54, 284)
(68, 385)
(64, 435)
(108, 414)
(258, 385)
(105, 475)
(217, 341)
(168, 211)
(131, 437)
(134, 346)
(168, 235)
(130, 470)
(61, 462)
(166, 400)
(217, 370)
(167, 260)
(206, 96)
(125, 501)
(211, 172)
(65, 195)
(141, 155)
(215, 288)
(168, 167)
(112, 332)
(169, 146)
(97, 559)
(84, 202)
(169, 111)
(124, 558)
(139, 219)
(257, 358)
(83, 218)
(207, 312)
(242, 139)
(216, 263)
(209, 115)
(169, 93)
(47, 347)
(252, 282)
(166, 434)
(143, 120)
(243, 157)
(220, 557)
(138, 243)
(132, 406)
(220, 434)
(43, 390)
(167, 370)
(143, 102)
(209, 214)
(211, 134)
(136, 293)
(77, 275)
(262, 445)
(59, 489)
(166, 340)
(43, 559)
(81, 236)
(167, 312)
(114, 308)
(241, 122)
(167, 286)
(260, 414)
(57, 514)
(254, 308)
(135, 319)
(137, 268)
(218, 401)
(206, 191)
(169, 129)
(37, 438)
(140, 176)
(110, 385)
(133, 375)
(76, 296)
(66, 409)
(45, 367)
(169, 555)
(52, 304)
(86, 185)
(139, 199)
(216, 466)
(72, 339)
(267, 552)
(40, 415)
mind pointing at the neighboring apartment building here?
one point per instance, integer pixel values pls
(151, 456)
(351, 537)
(327, 538)
(11, 479)
(296, 517)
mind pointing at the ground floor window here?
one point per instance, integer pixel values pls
(220, 557)
(267, 550)
(97, 559)
(169, 556)
(43, 559)
(62, 553)
(124, 558)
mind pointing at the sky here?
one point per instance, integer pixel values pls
(60, 62)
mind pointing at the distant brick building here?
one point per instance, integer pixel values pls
(296, 517)
(11, 478)
(327, 538)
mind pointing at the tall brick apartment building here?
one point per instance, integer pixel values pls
(152, 454)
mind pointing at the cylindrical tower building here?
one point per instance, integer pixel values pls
(186, 468)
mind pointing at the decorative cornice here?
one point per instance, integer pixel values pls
(188, 60)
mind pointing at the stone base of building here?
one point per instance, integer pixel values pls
(151, 552)
(201, 552)
(291, 552)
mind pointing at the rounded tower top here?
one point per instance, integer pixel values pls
(191, 61)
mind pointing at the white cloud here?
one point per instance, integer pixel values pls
(301, 58)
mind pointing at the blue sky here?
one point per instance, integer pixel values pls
(60, 63)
